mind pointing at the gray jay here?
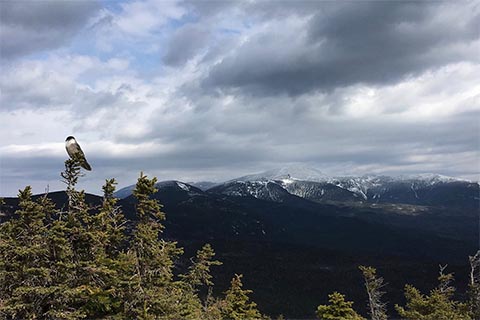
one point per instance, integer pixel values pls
(75, 152)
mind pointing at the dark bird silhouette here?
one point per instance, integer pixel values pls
(75, 152)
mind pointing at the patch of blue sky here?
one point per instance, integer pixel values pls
(144, 55)
(147, 65)
(86, 46)
(184, 19)
(36, 56)
(113, 6)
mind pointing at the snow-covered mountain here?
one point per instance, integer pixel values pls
(318, 191)
(414, 189)
(312, 184)
(291, 172)
(289, 183)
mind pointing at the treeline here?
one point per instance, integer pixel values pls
(81, 262)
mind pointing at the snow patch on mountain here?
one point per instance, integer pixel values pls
(287, 173)
(262, 189)
(183, 186)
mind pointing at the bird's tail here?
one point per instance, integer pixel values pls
(86, 166)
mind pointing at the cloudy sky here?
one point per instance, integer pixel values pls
(212, 90)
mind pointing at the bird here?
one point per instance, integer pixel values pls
(76, 153)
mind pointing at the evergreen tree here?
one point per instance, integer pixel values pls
(111, 221)
(438, 305)
(199, 276)
(87, 292)
(199, 272)
(151, 292)
(338, 309)
(107, 233)
(237, 304)
(24, 273)
(62, 270)
(374, 285)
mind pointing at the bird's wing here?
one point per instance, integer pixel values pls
(74, 150)
(80, 151)
(83, 161)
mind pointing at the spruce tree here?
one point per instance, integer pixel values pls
(237, 304)
(24, 270)
(198, 277)
(438, 305)
(199, 272)
(86, 244)
(338, 309)
(62, 270)
(111, 221)
(36, 272)
(107, 233)
(151, 292)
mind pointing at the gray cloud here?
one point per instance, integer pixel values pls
(344, 44)
(253, 130)
(31, 26)
(185, 44)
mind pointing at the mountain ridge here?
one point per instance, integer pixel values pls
(281, 184)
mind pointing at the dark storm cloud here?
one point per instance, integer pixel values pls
(31, 26)
(352, 42)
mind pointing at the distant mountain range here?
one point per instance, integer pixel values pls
(311, 184)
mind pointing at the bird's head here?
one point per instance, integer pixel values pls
(70, 138)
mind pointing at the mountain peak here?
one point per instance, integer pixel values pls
(431, 178)
(185, 187)
(288, 172)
